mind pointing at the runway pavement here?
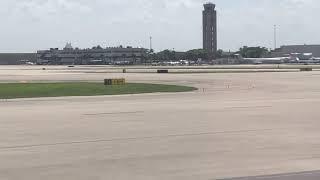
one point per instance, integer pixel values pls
(235, 125)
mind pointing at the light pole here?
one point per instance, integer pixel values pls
(275, 37)
(150, 52)
(150, 43)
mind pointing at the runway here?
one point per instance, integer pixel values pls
(235, 125)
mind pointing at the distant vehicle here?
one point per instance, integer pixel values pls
(170, 63)
(122, 63)
(155, 64)
(192, 63)
(257, 62)
(30, 63)
(173, 63)
(184, 62)
(27, 62)
(95, 62)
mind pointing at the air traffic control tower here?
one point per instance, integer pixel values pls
(210, 29)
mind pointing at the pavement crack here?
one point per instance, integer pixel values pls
(111, 113)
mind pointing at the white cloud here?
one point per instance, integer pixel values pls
(34, 24)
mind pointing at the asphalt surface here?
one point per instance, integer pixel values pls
(235, 125)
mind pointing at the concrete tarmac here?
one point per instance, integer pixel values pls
(235, 125)
(312, 175)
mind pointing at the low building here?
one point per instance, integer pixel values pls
(17, 58)
(96, 55)
(303, 51)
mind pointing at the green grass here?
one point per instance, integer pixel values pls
(32, 90)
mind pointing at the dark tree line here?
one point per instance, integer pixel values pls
(171, 55)
(195, 54)
(253, 52)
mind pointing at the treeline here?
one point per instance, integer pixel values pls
(195, 54)
(166, 55)
(253, 52)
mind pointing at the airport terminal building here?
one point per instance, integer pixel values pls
(96, 55)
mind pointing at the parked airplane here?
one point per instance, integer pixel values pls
(276, 60)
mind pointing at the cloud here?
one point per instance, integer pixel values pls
(36, 24)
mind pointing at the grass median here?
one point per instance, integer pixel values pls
(33, 90)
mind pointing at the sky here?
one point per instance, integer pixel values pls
(30, 25)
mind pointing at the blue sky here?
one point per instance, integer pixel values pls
(28, 25)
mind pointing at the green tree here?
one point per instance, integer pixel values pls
(166, 55)
(219, 53)
(253, 52)
(196, 54)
